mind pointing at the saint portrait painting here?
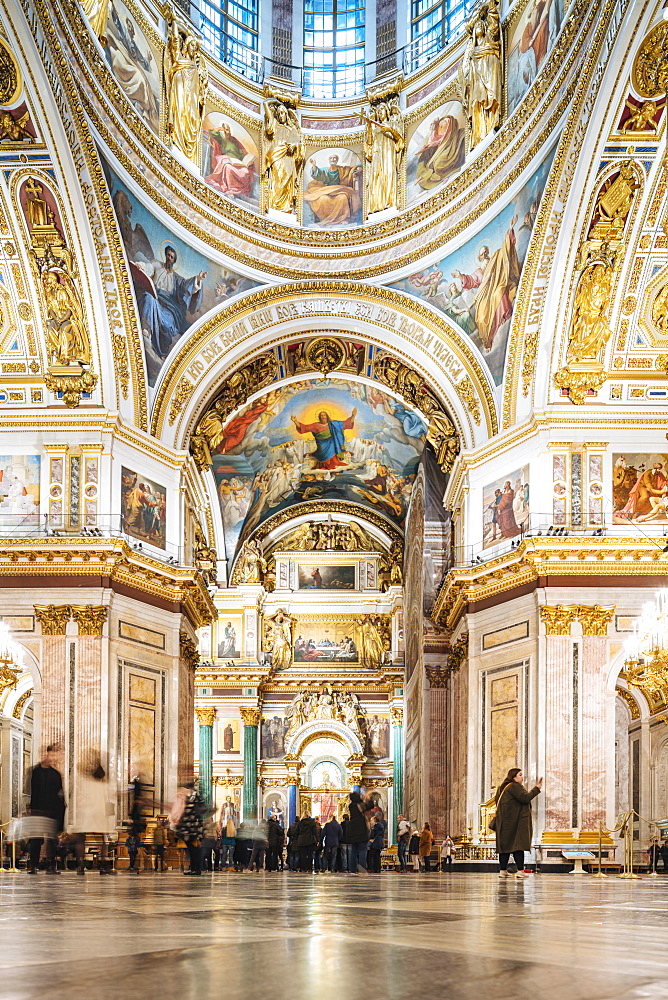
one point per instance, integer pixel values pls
(143, 508)
(506, 510)
(529, 43)
(333, 189)
(436, 151)
(231, 159)
(133, 63)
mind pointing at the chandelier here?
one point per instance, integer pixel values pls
(11, 659)
(646, 666)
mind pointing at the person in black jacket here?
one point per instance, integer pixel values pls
(331, 838)
(376, 844)
(343, 859)
(293, 848)
(357, 834)
(275, 841)
(307, 838)
(47, 800)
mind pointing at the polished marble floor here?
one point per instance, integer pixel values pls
(305, 937)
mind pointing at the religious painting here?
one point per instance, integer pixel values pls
(19, 485)
(229, 797)
(17, 127)
(641, 116)
(133, 63)
(476, 285)
(436, 151)
(378, 736)
(229, 637)
(317, 440)
(325, 641)
(333, 190)
(143, 508)
(326, 577)
(228, 736)
(174, 285)
(529, 43)
(640, 488)
(272, 737)
(274, 807)
(505, 504)
(230, 159)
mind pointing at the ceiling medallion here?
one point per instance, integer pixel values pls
(325, 354)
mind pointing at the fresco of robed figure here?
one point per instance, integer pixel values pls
(173, 283)
(333, 189)
(316, 440)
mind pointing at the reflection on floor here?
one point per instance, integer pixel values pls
(302, 937)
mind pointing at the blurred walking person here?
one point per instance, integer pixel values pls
(426, 843)
(94, 814)
(358, 834)
(403, 840)
(47, 802)
(259, 849)
(186, 819)
(307, 838)
(513, 824)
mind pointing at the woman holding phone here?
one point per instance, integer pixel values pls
(513, 820)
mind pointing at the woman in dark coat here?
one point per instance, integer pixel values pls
(307, 838)
(513, 820)
(358, 833)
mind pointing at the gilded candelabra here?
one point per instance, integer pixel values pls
(11, 659)
(646, 667)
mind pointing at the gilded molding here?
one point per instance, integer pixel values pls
(182, 394)
(17, 711)
(558, 619)
(90, 618)
(53, 618)
(188, 650)
(595, 620)
(250, 716)
(205, 716)
(630, 701)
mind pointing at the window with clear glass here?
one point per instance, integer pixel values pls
(230, 31)
(433, 24)
(334, 48)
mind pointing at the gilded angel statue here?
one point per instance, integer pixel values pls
(186, 83)
(284, 157)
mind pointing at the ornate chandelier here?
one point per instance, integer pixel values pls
(646, 666)
(11, 659)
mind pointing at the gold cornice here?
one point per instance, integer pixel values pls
(543, 557)
(113, 558)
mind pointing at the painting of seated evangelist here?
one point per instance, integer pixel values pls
(640, 488)
(315, 440)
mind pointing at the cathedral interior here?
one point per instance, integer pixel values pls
(327, 331)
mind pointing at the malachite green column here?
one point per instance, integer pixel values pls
(205, 717)
(251, 720)
(398, 768)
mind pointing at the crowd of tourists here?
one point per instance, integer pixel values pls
(353, 845)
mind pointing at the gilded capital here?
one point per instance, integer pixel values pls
(397, 714)
(90, 618)
(558, 619)
(595, 620)
(437, 675)
(205, 716)
(188, 650)
(53, 618)
(250, 716)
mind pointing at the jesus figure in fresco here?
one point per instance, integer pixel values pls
(330, 441)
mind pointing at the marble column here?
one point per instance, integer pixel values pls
(205, 718)
(188, 663)
(55, 682)
(437, 775)
(397, 769)
(593, 700)
(88, 693)
(251, 720)
(559, 733)
(292, 802)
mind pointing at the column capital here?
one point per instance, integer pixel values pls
(90, 618)
(397, 714)
(595, 620)
(53, 618)
(188, 650)
(250, 716)
(559, 618)
(437, 674)
(205, 716)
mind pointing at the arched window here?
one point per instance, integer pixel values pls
(231, 30)
(334, 33)
(434, 23)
